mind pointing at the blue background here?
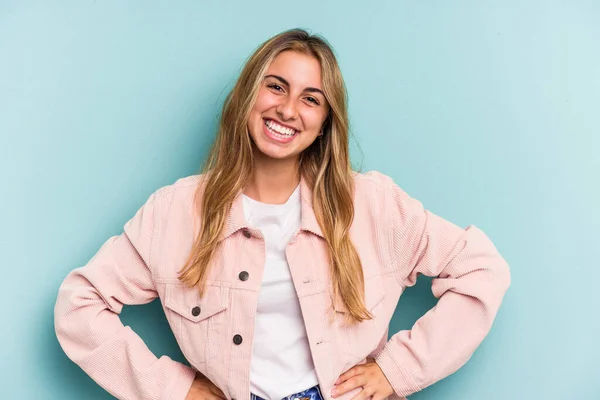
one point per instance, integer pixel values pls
(487, 112)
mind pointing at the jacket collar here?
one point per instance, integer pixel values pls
(236, 220)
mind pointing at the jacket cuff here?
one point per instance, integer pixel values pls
(182, 383)
(402, 382)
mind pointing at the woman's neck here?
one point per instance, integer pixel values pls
(273, 181)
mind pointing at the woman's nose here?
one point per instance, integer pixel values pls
(287, 109)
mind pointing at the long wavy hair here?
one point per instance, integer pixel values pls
(325, 165)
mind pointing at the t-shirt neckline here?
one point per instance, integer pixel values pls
(274, 208)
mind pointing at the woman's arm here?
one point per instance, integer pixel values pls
(86, 318)
(471, 278)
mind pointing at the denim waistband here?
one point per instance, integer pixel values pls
(314, 393)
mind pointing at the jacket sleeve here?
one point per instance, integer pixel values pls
(470, 280)
(88, 327)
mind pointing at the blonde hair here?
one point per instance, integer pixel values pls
(325, 165)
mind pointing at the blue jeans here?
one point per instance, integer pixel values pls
(314, 393)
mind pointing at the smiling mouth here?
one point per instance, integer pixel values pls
(279, 130)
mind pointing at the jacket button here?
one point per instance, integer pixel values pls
(196, 311)
(247, 233)
(237, 339)
(244, 275)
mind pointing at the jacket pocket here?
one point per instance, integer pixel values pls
(197, 321)
(358, 340)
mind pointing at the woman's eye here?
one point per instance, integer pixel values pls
(313, 100)
(275, 86)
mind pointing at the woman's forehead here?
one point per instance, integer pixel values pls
(298, 69)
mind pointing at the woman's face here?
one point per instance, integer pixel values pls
(290, 108)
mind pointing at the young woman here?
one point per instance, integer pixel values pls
(278, 267)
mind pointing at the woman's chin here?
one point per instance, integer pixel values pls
(273, 151)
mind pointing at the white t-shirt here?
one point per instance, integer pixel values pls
(281, 362)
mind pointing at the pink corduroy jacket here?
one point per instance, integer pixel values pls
(395, 237)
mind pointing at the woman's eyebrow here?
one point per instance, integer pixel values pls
(307, 89)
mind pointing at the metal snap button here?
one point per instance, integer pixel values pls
(237, 339)
(244, 275)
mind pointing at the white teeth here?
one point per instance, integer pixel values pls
(280, 129)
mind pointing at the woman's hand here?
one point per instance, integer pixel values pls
(203, 389)
(368, 376)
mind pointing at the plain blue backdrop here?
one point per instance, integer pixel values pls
(487, 112)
